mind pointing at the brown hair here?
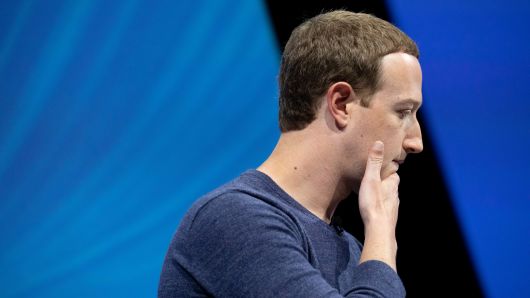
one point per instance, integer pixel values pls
(329, 48)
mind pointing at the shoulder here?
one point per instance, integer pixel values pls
(234, 227)
(235, 211)
(249, 200)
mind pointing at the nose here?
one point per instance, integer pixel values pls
(413, 142)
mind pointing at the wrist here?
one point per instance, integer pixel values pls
(380, 244)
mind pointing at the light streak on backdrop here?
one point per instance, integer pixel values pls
(115, 116)
(475, 63)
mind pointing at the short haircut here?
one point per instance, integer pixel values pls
(337, 46)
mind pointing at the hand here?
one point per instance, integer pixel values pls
(378, 199)
(378, 206)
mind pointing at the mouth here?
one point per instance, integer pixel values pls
(399, 161)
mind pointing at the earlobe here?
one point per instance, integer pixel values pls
(340, 96)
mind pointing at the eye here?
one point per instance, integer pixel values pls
(404, 113)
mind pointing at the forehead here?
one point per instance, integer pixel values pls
(400, 78)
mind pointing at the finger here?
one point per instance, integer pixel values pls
(375, 161)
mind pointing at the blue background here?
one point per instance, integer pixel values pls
(476, 65)
(116, 115)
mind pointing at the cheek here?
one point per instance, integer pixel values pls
(393, 145)
(391, 135)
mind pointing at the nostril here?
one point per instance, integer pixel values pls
(413, 146)
(419, 148)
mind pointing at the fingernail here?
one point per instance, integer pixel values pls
(378, 145)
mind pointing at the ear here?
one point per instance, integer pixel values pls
(340, 97)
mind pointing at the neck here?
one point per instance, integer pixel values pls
(305, 165)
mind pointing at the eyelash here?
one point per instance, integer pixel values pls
(404, 113)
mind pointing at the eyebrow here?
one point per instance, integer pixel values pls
(415, 103)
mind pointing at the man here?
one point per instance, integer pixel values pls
(350, 88)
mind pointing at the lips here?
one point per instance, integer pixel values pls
(399, 162)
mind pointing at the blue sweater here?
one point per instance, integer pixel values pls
(249, 238)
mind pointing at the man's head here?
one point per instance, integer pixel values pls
(346, 81)
(333, 47)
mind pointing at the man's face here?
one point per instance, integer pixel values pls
(391, 115)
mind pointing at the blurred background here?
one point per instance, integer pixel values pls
(115, 116)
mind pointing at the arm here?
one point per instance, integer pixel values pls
(238, 246)
(378, 205)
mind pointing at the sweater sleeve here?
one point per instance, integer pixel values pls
(237, 246)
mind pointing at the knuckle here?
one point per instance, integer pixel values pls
(376, 159)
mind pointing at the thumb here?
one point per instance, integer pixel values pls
(375, 161)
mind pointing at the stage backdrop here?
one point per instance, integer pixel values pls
(114, 117)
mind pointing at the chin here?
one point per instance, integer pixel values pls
(385, 173)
